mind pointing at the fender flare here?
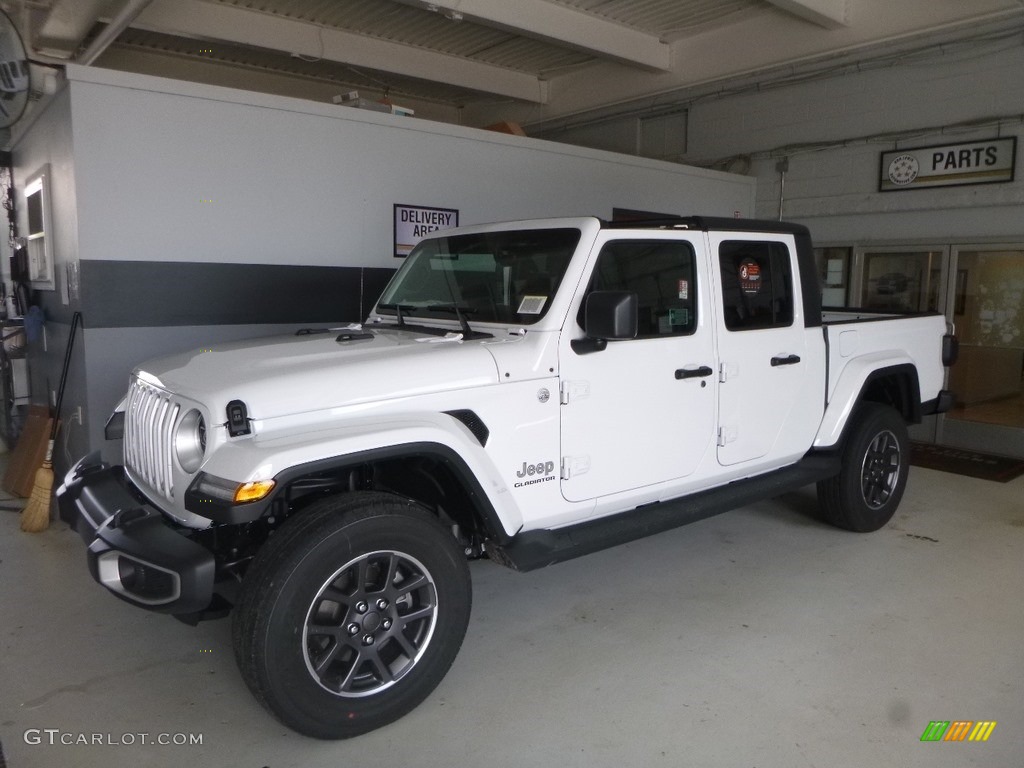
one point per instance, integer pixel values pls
(481, 502)
(850, 391)
(450, 446)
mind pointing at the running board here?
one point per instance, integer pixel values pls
(537, 549)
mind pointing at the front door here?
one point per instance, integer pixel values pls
(642, 410)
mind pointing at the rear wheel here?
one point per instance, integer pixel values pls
(876, 454)
(352, 614)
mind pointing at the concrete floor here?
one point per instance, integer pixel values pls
(758, 638)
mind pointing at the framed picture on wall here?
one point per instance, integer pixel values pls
(39, 239)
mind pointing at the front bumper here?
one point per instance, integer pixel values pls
(134, 551)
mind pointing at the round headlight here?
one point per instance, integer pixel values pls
(190, 441)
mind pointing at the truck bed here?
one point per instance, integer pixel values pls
(862, 343)
(840, 315)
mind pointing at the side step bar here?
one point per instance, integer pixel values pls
(537, 549)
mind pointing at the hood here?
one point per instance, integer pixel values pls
(285, 375)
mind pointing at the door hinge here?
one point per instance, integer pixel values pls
(726, 435)
(727, 371)
(573, 390)
(575, 465)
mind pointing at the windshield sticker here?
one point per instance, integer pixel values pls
(679, 317)
(684, 289)
(750, 276)
(532, 305)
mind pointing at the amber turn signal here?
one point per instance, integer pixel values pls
(253, 491)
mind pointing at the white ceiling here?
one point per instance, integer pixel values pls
(535, 62)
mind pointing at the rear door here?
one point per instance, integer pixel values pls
(771, 368)
(641, 411)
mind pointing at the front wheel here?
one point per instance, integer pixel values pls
(875, 458)
(352, 614)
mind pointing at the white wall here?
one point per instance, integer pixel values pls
(833, 126)
(833, 131)
(300, 182)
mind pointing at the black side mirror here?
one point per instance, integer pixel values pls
(609, 316)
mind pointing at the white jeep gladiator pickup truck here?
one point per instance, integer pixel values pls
(529, 391)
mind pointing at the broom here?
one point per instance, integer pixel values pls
(36, 515)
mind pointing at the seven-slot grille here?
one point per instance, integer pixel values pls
(149, 422)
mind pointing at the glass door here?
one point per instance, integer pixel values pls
(986, 303)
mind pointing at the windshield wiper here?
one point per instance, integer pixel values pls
(459, 312)
(467, 332)
(399, 309)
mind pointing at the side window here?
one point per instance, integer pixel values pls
(661, 273)
(757, 285)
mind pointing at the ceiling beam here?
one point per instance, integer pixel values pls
(212, 22)
(65, 26)
(109, 33)
(830, 14)
(705, 63)
(560, 25)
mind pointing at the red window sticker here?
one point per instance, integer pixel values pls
(684, 289)
(750, 276)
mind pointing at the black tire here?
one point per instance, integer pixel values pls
(351, 614)
(875, 460)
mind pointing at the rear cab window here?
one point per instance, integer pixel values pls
(757, 284)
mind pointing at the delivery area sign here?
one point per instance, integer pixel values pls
(948, 165)
(414, 222)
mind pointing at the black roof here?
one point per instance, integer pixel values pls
(706, 223)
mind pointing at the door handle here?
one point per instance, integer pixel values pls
(787, 360)
(693, 373)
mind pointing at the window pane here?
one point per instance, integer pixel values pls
(661, 273)
(833, 271)
(34, 204)
(901, 281)
(757, 285)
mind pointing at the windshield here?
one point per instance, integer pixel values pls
(494, 277)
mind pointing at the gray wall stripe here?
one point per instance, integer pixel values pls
(126, 294)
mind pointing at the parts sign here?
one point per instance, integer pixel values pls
(977, 162)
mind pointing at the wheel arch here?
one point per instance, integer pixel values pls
(430, 473)
(895, 384)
